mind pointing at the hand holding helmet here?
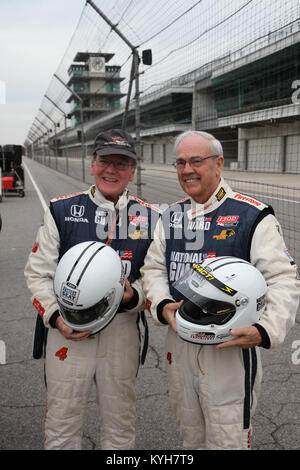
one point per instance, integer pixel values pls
(246, 338)
(68, 332)
(169, 313)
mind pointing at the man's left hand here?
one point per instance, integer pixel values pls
(247, 337)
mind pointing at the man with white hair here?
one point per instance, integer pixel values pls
(214, 389)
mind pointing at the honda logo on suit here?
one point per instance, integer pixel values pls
(77, 211)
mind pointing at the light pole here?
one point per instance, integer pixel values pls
(42, 136)
(65, 117)
(81, 122)
(54, 124)
(47, 130)
(135, 74)
(32, 151)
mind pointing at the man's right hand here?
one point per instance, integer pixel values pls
(69, 333)
(169, 312)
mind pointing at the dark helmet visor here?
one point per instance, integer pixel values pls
(209, 312)
(83, 317)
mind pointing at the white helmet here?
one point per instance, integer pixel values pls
(221, 293)
(89, 285)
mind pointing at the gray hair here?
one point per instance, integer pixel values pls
(215, 145)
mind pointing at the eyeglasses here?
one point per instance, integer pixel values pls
(117, 164)
(194, 162)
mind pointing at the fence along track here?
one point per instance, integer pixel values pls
(285, 200)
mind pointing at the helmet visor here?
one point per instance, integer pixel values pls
(211, 312)
(89, 315)
(195, 279)
(199, 308)
(184, 286)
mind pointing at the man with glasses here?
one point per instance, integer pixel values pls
(214, 389)
(105, 212)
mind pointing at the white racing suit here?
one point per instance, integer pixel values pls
(111, 357)
(213, 393)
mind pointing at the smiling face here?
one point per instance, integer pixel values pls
(112, 181)
(201, 182)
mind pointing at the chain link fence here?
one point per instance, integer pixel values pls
(229, 68)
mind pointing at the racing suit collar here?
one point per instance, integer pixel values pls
(98, 198)
(216, 199)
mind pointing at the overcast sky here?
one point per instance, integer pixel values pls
(34, 35)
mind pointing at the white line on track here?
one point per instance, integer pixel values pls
(40, 196)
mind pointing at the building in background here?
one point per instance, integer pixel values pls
(96, 83)
(245, 99)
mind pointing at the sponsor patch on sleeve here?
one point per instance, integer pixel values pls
(39, 307)
(35, 247)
